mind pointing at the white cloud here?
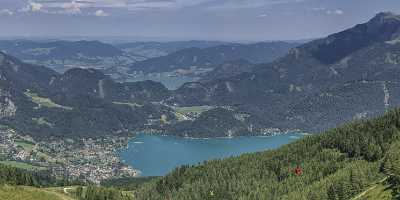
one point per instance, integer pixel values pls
(32, 7)
(318, 9)
(36, 6)
(335, 12)
(72, 7)
(6, 12)
(224, 5)
(86, 7)
(262, 16)
(76, 5)
(101, 13)
(122, 4)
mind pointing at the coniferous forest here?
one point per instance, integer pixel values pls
(15, 176)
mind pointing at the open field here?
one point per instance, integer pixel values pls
(189, 113)
(133, 105)
(30, 193)
(381, 192)
(45, 102)
(26, 145)
(42, 121)
(22, 165)
(193, 109)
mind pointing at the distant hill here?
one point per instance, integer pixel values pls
(228, 69)
(157, 49)
(62, 50)
(200, 58)
(349, 75)
(64, 55)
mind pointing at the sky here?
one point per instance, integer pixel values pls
(228, 20)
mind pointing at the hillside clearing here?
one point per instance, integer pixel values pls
(44, 102)
(22, 165)
(30, 193)
(379, 191)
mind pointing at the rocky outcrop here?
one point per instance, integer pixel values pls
(7, 106)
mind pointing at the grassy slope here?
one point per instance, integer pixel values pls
(380, 191)
(22, 165)
(45, 102)
(27, 146)
(30, 193)
(194, 109)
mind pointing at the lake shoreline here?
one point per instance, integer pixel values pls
(269, 133)
(156, 155)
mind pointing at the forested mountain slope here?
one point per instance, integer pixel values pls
(338, 164)
(62, 50)
(198, 58)
(81, 102)
(158, 49)
(349, 75)
(63, 55)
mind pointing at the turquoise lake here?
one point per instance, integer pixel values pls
(158, 155)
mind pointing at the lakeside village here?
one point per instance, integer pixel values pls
(91, 160)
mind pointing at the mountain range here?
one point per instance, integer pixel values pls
(117, 60)
(39, 101)
(64, 55)
(312, 88)
(207, 58)
(158, 49)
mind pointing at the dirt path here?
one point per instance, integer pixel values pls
(66, 190)
(60, 195)
(369, 189)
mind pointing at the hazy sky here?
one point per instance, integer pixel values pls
(187, 19)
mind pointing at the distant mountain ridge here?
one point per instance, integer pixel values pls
(157, 49)
(25, 49)
(190, 58)
(382, 28)
(63, 55)
(318, 85)
(228, 69)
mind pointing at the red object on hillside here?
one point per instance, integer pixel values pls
(298, 171)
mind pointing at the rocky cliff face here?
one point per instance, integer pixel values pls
(7, 106)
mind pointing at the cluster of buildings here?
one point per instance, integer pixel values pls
(9, 148)
(92, 159)
(89, 159)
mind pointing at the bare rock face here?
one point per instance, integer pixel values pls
(7, 106)
(2, 57)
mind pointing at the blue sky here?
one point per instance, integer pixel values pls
(233, 20)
